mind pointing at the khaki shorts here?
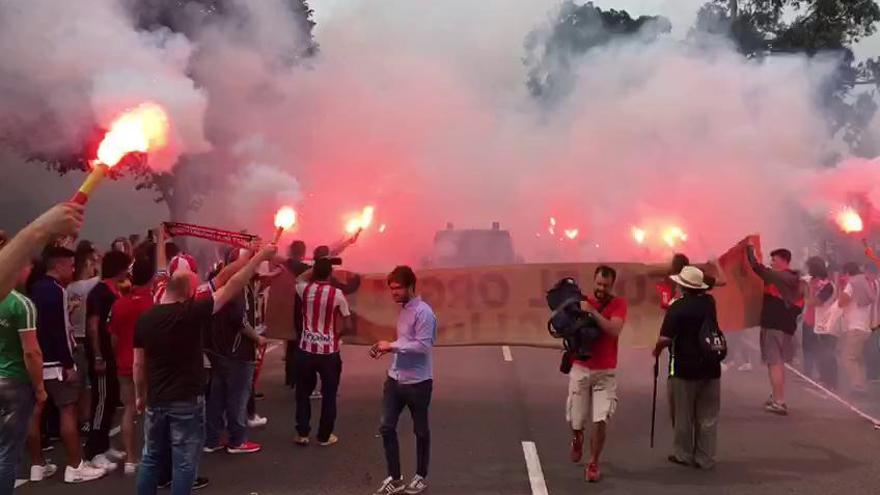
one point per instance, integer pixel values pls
(62, 393)
(777, 347)
(592, 396)
(126, 390)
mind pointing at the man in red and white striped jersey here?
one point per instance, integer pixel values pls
(318, 352)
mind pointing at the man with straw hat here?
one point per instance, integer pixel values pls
(694, 376)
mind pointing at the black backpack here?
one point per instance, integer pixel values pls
(713, 345)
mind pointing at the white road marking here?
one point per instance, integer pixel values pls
(533, 464)
(18, 483)
(272, 348)
(505, 350)
(851, 407)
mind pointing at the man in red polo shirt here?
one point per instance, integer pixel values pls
(592, 387)
(123, 317)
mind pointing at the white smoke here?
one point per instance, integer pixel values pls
(421, 109)
(70, 66)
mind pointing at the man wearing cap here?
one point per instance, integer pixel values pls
(694, 380)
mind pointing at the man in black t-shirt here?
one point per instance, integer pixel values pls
(232, 352)
(169, 376)
(694, 377)
(296, 266)
(102, 362)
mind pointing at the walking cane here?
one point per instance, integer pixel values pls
(654, 403)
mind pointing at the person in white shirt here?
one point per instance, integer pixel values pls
(857, 300)
(86, 277)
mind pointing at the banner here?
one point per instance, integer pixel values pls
(237, 239)
(505, 305)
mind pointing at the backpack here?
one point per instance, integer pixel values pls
(713, 345)
(564, 300)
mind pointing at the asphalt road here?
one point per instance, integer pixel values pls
(485, 408)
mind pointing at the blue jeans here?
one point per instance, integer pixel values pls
(16, 407)
(231, 382)
(417, 397)
(175, 430)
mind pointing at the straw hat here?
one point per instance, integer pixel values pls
(690, 277)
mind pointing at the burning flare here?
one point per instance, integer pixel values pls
(361, 221)
(285, 218)
(142, 129)
(639, 235)
(552, 228)
(674, 235)
(572, 233)
(850, 221)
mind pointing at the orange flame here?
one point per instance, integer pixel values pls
(674, 235)
(141, 129)
(361, 221)
(639, 234)
(850, 221)
(285, 218)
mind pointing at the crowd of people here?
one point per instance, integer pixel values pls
(85, 332)
(835, 313)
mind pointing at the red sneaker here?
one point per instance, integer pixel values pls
(593, 474)
(245, 448)
(577, 447)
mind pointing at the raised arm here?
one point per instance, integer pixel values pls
(239, 279)
(61, 220)
(341, 246)
(228, 271)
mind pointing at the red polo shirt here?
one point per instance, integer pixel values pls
(605, 348)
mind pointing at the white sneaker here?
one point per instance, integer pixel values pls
(316, 395)
(39, 473)
(82, 473)
(257, 421)
(725, 367)
(102, 462)
(130, 467)
(390, 486)
(116, 455)
(745, 367)
(416, 486)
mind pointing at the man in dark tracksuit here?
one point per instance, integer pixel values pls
(102, 363)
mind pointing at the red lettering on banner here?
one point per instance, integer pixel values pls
(461, 292)
(497, 298)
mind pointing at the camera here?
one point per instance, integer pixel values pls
(576, 327)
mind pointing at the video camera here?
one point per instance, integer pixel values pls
(576, 327)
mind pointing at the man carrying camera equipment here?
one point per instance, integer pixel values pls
(592, 387)
(318, 352)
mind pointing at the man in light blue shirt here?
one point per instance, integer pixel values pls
(410, 381)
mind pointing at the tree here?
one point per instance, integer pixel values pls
(577, 29)
(183, 188)
(764, 28)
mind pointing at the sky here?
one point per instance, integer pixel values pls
(682, 13)
(476, 85)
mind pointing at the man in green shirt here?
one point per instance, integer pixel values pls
(21, 378)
